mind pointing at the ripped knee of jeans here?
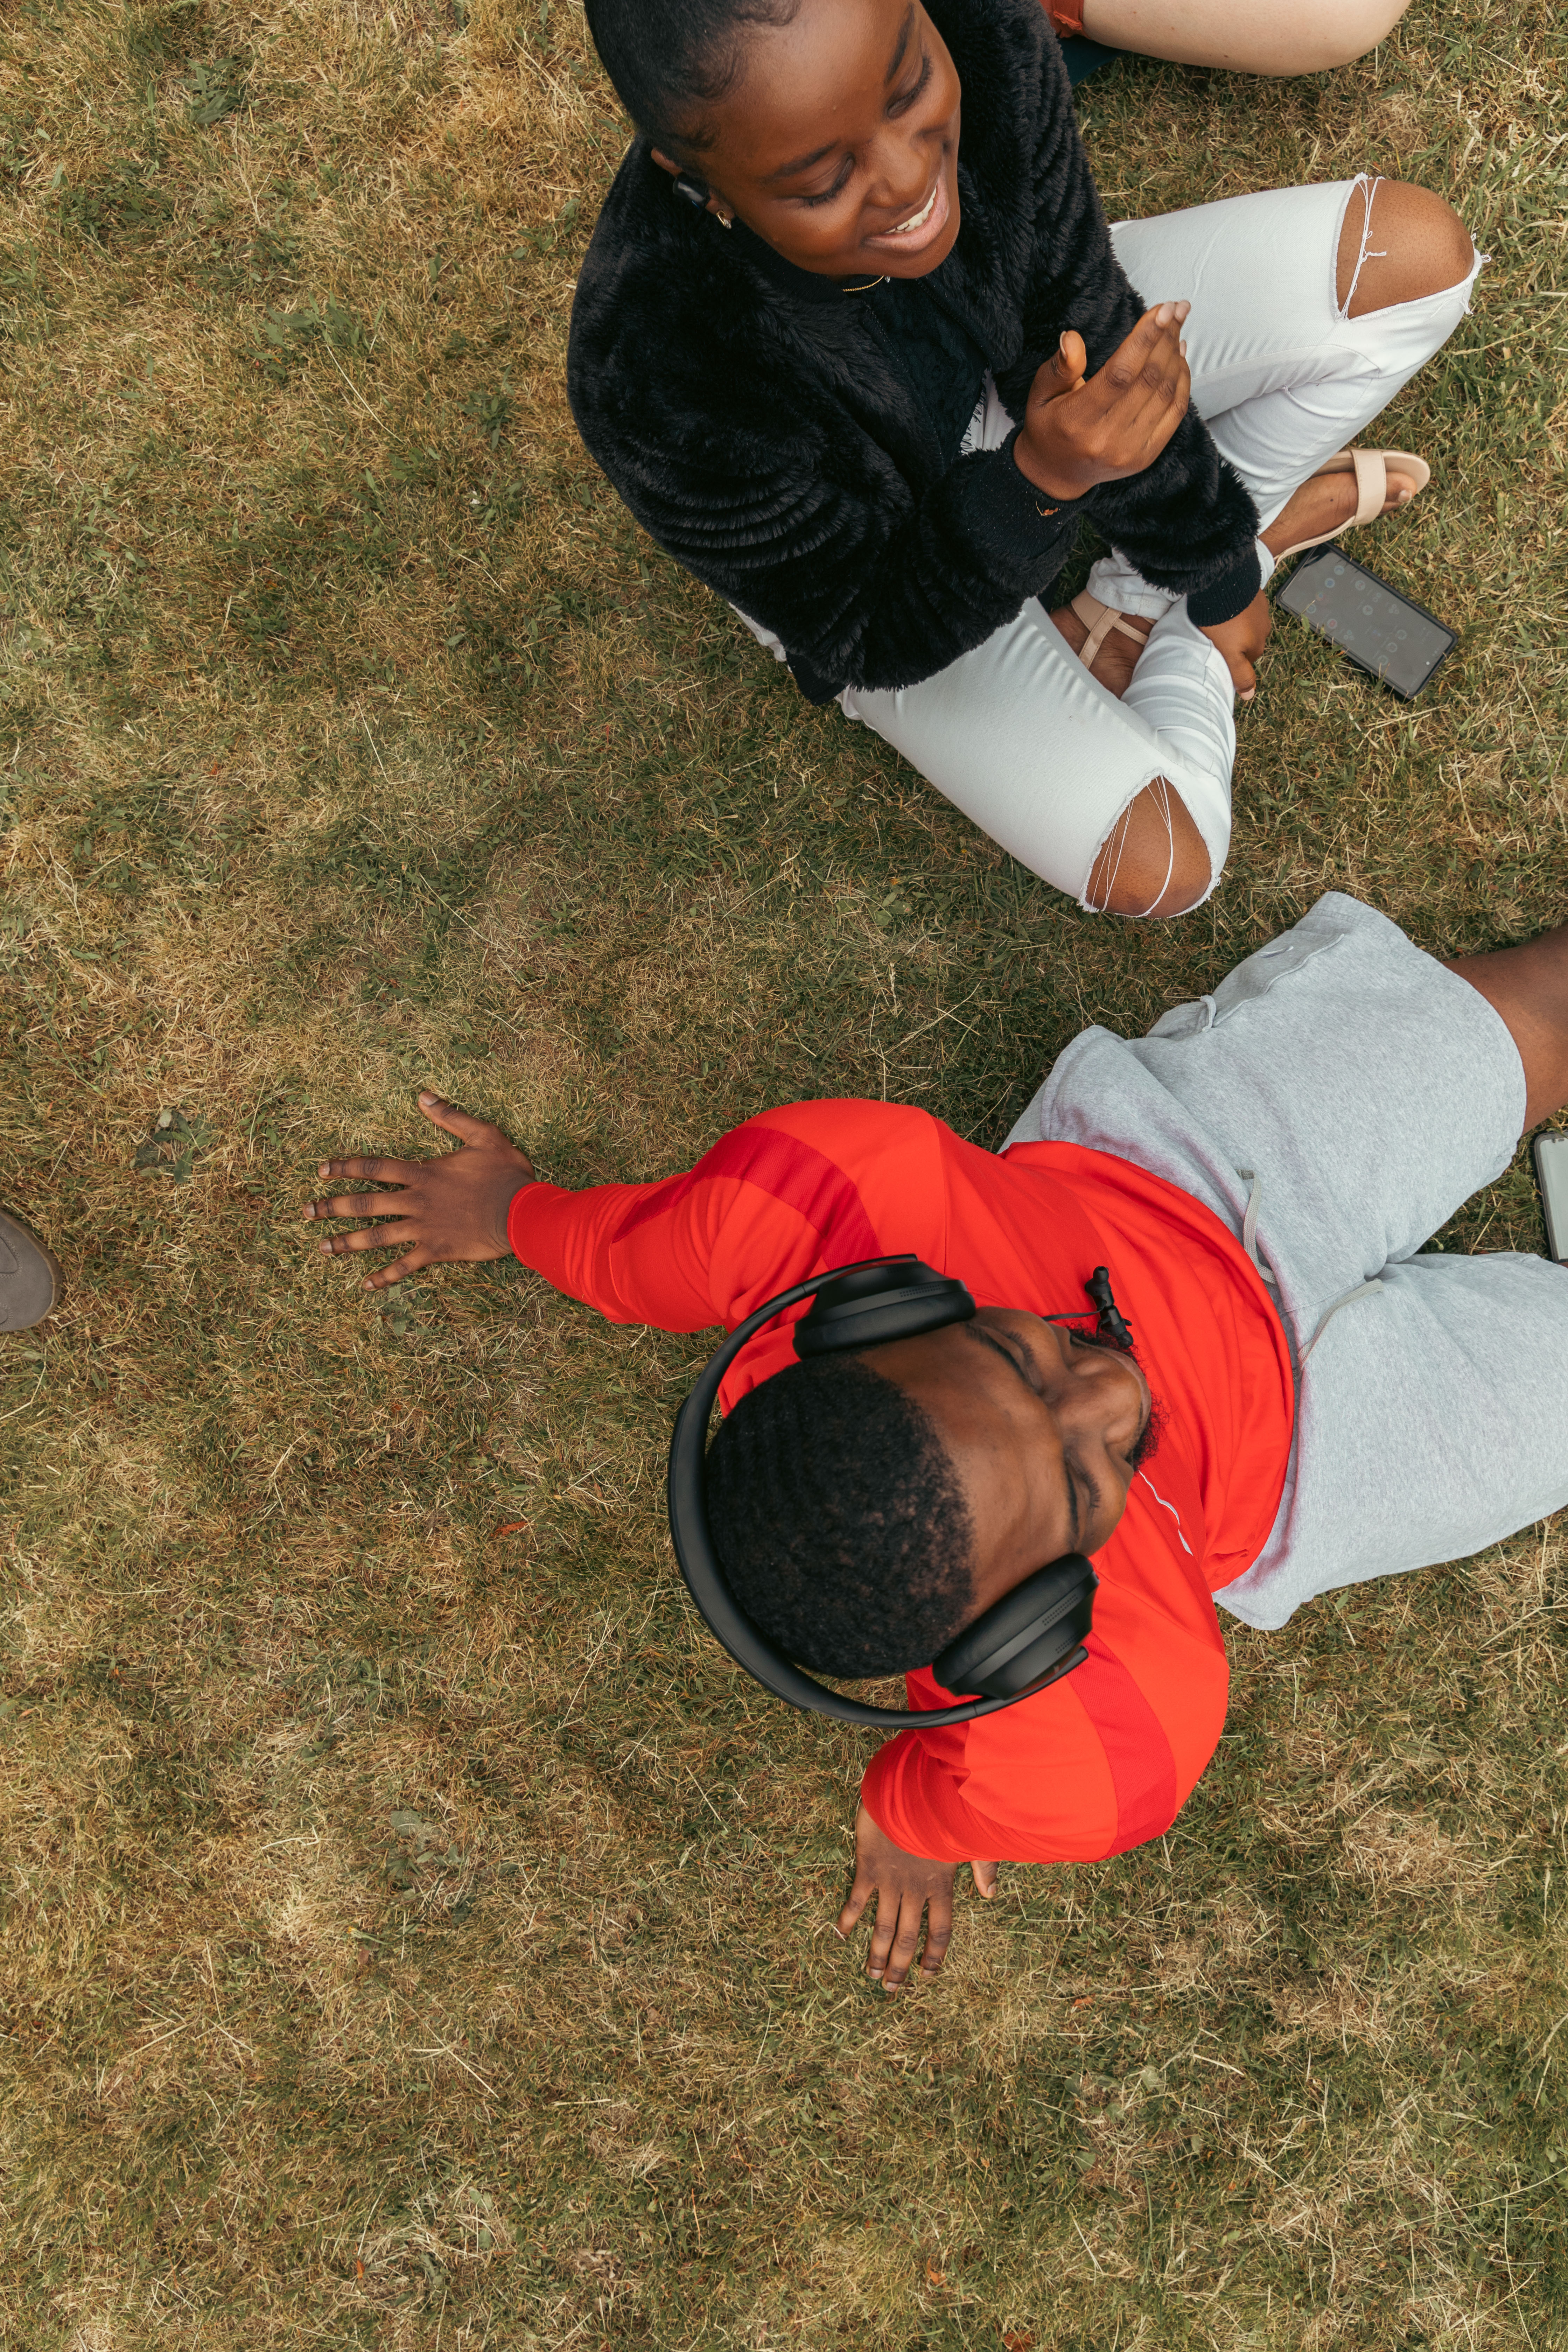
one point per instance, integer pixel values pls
(1416, 232)
(1153, 862)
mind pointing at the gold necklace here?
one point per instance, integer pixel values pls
(871, 283)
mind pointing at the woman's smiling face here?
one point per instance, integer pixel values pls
(838, 142)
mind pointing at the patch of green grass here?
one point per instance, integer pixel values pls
(412, 1933)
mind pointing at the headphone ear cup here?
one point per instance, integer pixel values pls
(897, 1300)
(1030, 1631)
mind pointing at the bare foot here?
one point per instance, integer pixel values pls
(1323, 504)
(1117, 659)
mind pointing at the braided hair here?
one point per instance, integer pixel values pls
(669, 59)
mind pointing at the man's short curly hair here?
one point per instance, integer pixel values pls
(839, 1521)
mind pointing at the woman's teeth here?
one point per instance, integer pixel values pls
(921, 217)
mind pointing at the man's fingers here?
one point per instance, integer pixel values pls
(385, 1275)
(882, 1934)
(939, 1933)
(372, 1171)
(358, 1204)
(900, 1960)
(396, 1235)
(860, 1895)
(460, 1123)
(984, 1875)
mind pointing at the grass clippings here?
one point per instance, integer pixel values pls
(416, 1934)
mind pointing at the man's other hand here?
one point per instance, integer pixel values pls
(906, 1885)
(450, 1208)
(1241, 642)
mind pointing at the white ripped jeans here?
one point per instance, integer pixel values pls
(1017, 733)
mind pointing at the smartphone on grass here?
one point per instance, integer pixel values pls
(1387, 635)
(1551, 1175)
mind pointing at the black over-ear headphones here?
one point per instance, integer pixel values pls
(1031, 1637)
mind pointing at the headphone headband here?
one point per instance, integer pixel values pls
(1032, 1637)
(859, 1306)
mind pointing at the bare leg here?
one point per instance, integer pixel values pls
(1271, 37)
(1528, 988)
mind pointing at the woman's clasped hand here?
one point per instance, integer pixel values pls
(1079, 430)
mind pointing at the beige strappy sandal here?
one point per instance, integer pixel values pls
(1372, 469)
(1099, 620)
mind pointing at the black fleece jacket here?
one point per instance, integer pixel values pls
(757, 421)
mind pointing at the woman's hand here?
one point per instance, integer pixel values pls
(1077, 433)
(453, 1207)
(1241, 642)
(905, 1885)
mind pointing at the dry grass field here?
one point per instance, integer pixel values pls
(414, 1934)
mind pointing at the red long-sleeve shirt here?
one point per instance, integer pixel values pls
(1105, 1758)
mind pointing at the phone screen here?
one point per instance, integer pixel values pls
(1369, 621)
(1551, 1175)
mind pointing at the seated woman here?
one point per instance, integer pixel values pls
(868, 388)
(1268, 36)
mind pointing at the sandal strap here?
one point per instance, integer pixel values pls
(1099, 620)
(1371, 486)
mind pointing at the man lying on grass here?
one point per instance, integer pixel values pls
(1309, 1404)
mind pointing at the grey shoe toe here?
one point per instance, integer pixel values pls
(30, 1278)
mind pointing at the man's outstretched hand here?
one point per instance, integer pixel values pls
(905, 1887)
(451, 1207)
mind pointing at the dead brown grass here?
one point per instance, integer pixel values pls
(412, 1934)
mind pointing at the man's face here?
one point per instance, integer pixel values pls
(839, 143)
(1041, 1427)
